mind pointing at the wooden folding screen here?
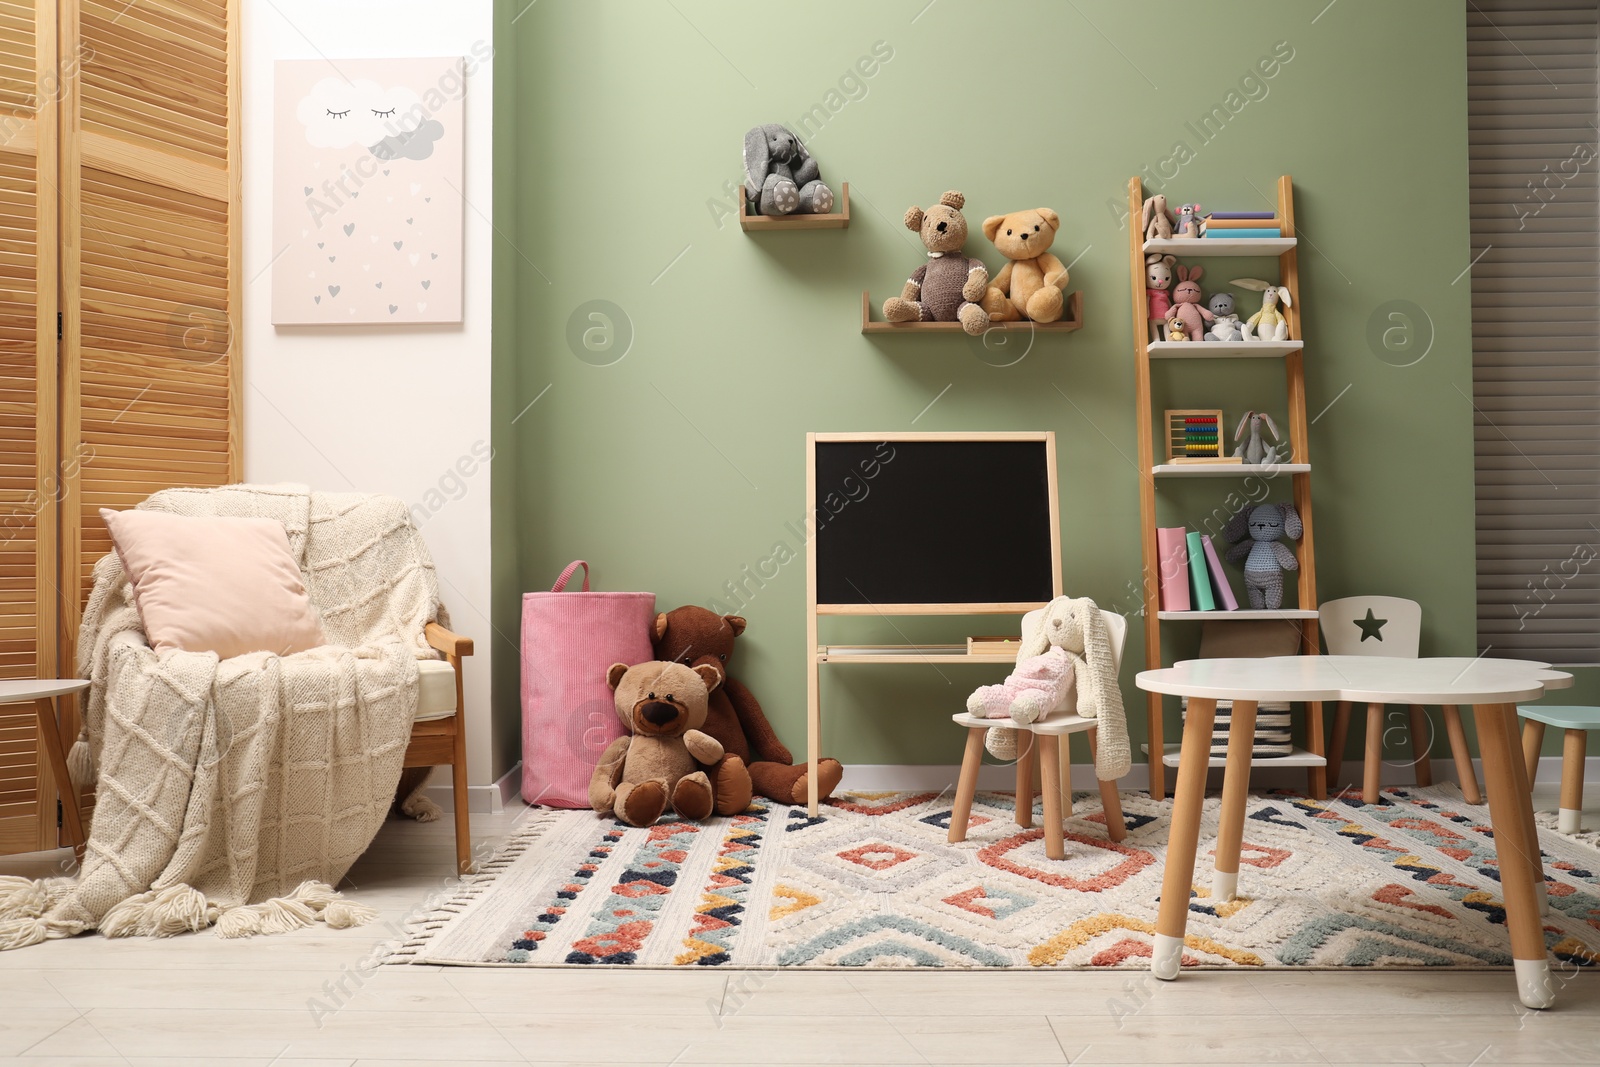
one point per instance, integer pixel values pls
(119, 194)
(28, 243)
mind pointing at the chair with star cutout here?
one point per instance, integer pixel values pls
(1388, 626)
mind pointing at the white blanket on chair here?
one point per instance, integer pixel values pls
(237, 792)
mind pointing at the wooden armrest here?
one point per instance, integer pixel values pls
(451, 644)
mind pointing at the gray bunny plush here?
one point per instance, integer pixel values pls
(1256, 534)
(780, 177)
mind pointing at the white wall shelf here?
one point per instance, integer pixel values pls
(1220, 246)
(1226, 470)
(1243, 614)
(1297, 757)
(1223, 349)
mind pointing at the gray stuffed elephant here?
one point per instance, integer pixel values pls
(780, 177)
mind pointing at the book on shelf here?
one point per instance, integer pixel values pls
(1174, 555)
(994, 646)
(1236, 234)
(1203, 600)
(1267, 221)
(1210, 460)
(1224, 588)
(1233, 215)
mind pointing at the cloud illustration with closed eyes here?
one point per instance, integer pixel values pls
(390, 122)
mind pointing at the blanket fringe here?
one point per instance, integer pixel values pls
(310, 902)
(177, 909)
(80, 765)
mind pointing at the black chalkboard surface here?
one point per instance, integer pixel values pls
(934, 522)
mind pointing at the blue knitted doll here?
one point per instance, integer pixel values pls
(1256, 535)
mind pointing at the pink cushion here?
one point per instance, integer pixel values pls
(223, 585)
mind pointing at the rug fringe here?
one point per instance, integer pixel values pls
(420, 929)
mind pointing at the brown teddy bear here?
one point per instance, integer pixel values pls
(698, 637)
(661, 760)
(948, 287)
(1030, 285)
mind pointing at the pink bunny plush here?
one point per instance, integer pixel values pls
(1186, 306)
(1034, 688)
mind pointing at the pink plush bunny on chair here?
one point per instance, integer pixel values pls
(1034, 687)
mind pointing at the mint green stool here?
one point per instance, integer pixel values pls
(1576, 722)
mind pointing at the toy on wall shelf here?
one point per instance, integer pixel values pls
(780, 176)
(949, 285)
(1194, 435)
(1255, 450)
(1190, 315)
(1256, 536)
(1227, 327)
(1157, 218)
(1031, 284)
(1158, 290)
(1268, 324)
(1189, 222)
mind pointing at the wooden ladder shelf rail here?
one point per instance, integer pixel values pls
(1294, 373)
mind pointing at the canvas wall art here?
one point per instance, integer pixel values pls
(367, 208)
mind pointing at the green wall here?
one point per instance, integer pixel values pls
(617, 135)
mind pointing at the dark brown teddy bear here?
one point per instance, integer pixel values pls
(694, 635)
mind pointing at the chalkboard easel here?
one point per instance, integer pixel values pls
(906, 524)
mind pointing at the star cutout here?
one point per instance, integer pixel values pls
(1371, 627)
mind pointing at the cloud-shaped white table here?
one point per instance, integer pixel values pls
(1492, 686)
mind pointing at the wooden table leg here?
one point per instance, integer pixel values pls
(1516, 847)
(1026, 754)
(1463, 755)
(1421, 745)
(1372, 762)
(1183, 836)
(1336, 743)
(1532, 742)
(1570, 813)
(1316, 777)
(1050, 785)
(1525, 805)
(1235, 789)
(1110, 797)
(50, 730)
(967, 784)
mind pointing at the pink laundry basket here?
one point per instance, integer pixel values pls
(569, 639)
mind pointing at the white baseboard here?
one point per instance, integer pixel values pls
(875, 777)
(481, 799)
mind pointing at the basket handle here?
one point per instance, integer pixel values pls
(561, 582)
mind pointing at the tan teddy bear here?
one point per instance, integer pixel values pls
(1030, 285)
(662, 705)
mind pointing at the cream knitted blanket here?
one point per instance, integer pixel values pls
(236, 792)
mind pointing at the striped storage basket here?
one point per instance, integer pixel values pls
(1272, 729)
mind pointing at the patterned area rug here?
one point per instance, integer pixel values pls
(872, 882)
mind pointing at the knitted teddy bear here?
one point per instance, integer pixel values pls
(1030, 285)
(1032, 690)
(948, 287)
(1076, 627)
(696, 636)
(1256, 534)
(662, 705)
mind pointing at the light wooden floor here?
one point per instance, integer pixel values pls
(199, 1000)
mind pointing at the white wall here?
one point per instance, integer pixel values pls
(379, 409)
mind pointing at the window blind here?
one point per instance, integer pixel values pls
(1535, 218)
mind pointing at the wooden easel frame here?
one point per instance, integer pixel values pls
(818, 654)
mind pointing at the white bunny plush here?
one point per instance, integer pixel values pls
(1075, 626)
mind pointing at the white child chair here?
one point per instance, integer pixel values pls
(1387, 626)
(1053, 756)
